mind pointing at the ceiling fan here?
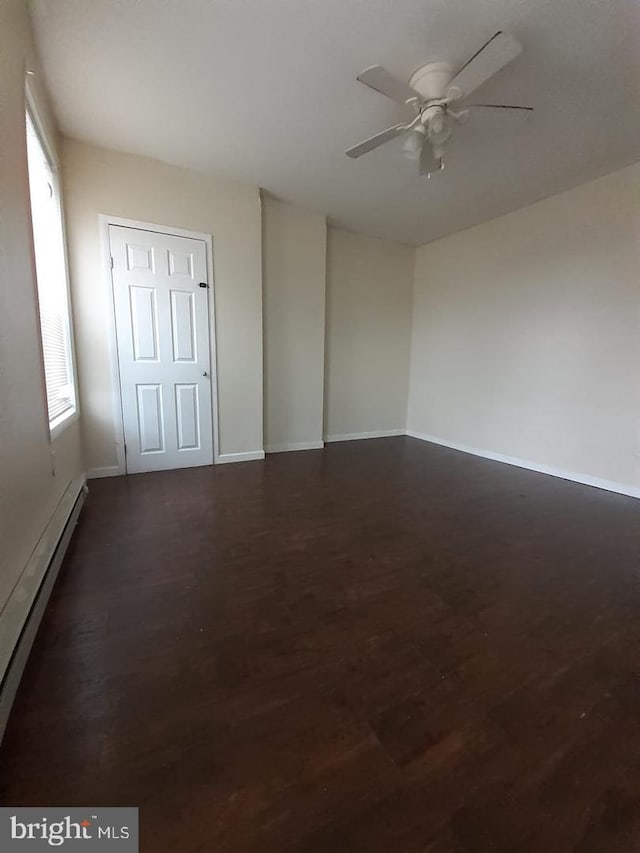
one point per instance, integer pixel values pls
(434, 92)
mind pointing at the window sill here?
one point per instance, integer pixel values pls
(60, 424)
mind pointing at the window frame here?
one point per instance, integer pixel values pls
(32, 112)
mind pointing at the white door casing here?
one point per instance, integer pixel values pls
(162, 329)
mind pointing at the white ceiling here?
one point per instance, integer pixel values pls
(264, 91)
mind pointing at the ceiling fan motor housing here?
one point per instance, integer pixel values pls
(432, 80)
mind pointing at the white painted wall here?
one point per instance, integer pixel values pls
(369, 294)
(526, 333)
(99, 181)
(29, 488)
(294, 273)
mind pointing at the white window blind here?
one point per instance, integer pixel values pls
(51, 273)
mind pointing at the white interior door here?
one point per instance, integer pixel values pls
(162, 325)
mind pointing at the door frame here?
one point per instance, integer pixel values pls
(105, 249)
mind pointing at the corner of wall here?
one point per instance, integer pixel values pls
(414, 286)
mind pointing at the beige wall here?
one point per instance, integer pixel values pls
(99, 181)
(294, 252)
(369, 292)
(526, 333)
(29, 491)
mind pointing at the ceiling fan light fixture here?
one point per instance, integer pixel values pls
(412, 147)
(438, 126)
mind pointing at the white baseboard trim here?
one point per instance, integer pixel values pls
(584, 479)
(296, 445)
(107, 471)
(248, 456)
(356, 436)
(21, 615)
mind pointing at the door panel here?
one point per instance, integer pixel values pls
(150, 418)
(181, 263)
(188, 416)
(140, 257)
(144, 323)
(183, 325)
(162, 325)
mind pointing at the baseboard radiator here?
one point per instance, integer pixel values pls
(21, 615)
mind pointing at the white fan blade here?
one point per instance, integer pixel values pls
(378, 78)
(492, 56)
(498, 107)
(375, 141)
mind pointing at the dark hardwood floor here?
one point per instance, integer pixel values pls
(384, 646)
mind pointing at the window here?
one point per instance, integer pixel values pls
(51, 273)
